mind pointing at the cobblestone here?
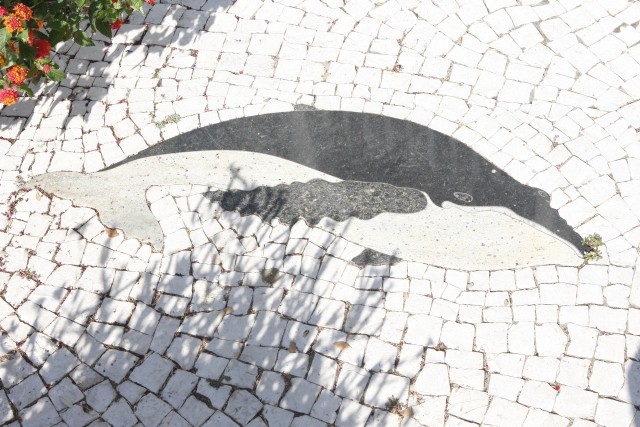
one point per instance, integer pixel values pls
(194, 333)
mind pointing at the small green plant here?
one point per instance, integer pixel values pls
(592, 244)
(174, 118)
(219, 382)
(215, 383)
(592, 255)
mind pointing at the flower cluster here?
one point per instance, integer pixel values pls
(22, 11)
(24, 53)
(43, 48)
(8, 96)
(30, 28)
(17, 74)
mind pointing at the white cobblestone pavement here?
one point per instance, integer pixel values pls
(239, 322)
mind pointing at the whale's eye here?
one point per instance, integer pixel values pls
(463, 197)
(544, 194)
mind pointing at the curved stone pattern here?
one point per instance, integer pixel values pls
(235, 321)
(373, 148)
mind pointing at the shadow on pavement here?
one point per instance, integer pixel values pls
(249, 322)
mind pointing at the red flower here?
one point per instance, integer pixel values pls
(46, 68)
(32, 38)
(13, 23)
(151, 2)
(43, 48)
(17, 74)
(3, 11)
(8, 96)
(22, 11)
(116, 24)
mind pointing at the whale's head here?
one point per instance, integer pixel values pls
(481, 184)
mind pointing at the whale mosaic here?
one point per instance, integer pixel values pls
(297, 147)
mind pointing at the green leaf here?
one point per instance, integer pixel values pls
(56, 75)
(26, 89)
(27, 52)
(23, 35)
(56, 36)
(11, 57)
(93, 9)
(137, 5)
(104, 27)
(81, 38)
(81, 3)
(4, 37)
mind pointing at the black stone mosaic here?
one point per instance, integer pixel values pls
(317, 199)
(372, 148)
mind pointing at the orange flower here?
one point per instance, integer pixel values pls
(17, 74)
(8, 96)
(116, 24)
(22, 11)
(32, 38)
(3, 61)
(40, 23)
(13, 23)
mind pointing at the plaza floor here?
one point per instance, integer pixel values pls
(318, 213)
